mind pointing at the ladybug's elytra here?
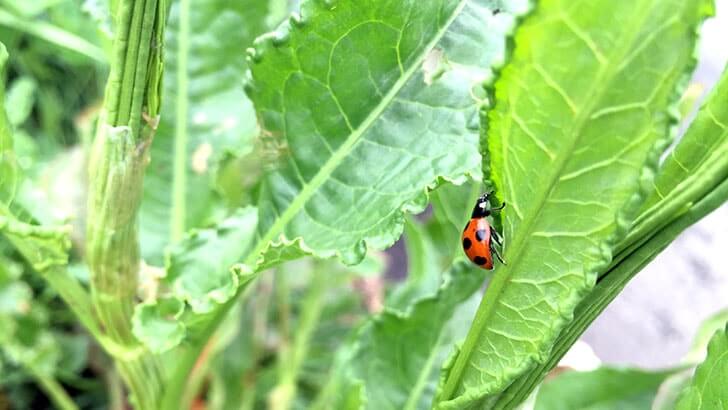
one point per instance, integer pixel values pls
(478, 233)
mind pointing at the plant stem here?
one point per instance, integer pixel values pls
(291, 359)
(198, 375)
(115, 390)
(54, 390)
(261, 306)
(116, 171)
(177, 381)
(179, 182)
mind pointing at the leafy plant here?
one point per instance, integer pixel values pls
(228, 252)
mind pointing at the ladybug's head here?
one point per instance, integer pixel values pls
(482, 206)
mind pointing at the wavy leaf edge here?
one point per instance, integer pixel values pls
(256, 260)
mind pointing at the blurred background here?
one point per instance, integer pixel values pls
(55, 92)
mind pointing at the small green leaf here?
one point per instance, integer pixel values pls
(198, 268)
(348, 91)
(157, 324)
(24, 334)
(451, 207)
(394, 360)
(198, 278)
(670, 389)
(15, 295)
(8, 166)
(707, 329)
(708, 388)
(602, 389)
(572, 152)
(20, 100)
(423, 272)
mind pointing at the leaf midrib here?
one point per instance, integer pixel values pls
(345, 149)
(488, 304)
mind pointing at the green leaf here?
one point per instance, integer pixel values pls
(198, 278)
(694, 167)
(198, 268)
(24, 334)
(702, 337)
(572, 153)
(601, 389)
(701, 192)
(8, 166)
(433, 246)
(670, 390)
(157, 324)
(53, 34)
(205, 114)
(365, 123)
(20, 100)
(708, 388)
(394, 360)
(423, 270)
(451, 207)
(623, 268)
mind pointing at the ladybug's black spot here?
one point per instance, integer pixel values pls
(480, 260)
(466, 243)
(480, 235)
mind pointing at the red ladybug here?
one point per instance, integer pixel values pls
(478, 233)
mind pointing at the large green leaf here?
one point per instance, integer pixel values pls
(612, 282)
(572, 152)
(205, 114)
(602, 389)
(372, 103)
(708, 388)
(698, 194)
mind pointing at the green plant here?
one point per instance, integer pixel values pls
(207, 259)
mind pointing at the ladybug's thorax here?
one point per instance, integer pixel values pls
(482, 207)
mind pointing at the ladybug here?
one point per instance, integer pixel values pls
(478, 233)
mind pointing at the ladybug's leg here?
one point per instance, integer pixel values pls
(503, 205)
(496, 237)
(494, 250)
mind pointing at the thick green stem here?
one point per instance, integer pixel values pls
(119, 156)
